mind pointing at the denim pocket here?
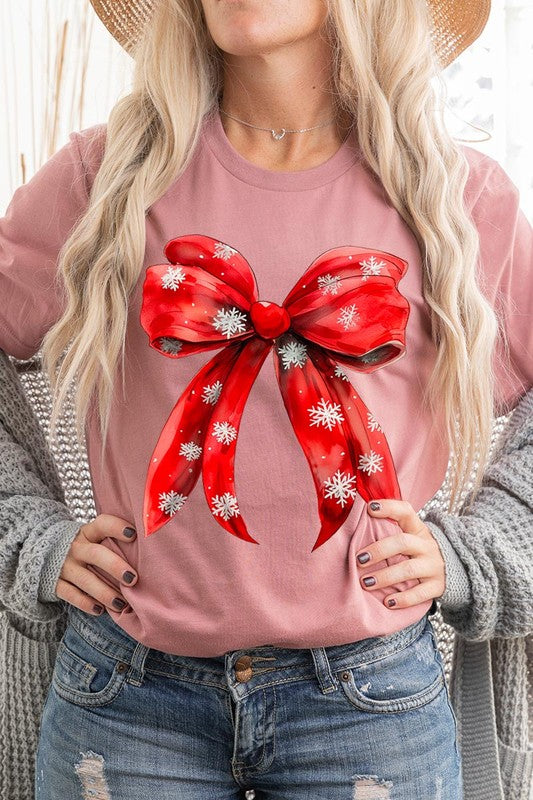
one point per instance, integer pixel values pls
(403, 679)
(84, 674)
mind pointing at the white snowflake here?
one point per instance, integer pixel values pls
(225, 505)
(371, 462)
(328, 414)
(229, 322)
(190, 450)
(374, 356)
(212, 392)
(371, 267)
(172, 278)
(373, 424)
(170, 502)
(341, 373)
(223, 251)
(328, 283)
(341, 486)
(293, 353)
(224, 432)
(170, 345)
(348, 317)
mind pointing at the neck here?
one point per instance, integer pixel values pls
(283, 89)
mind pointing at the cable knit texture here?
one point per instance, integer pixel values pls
(488, 600)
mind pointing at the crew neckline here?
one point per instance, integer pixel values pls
(215, 136)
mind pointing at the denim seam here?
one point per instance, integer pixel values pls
(262, 758)
(398, 706)
(91, 699)
(93, 640)
(64, 653)
(310, 676)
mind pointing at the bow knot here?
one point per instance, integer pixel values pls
(345, 309)
(269, 319)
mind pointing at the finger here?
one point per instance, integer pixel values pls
(105, 525)
(407, 570)
(401, 511)
(420, 593)
(399, 543)
(72, 595)
(93, 585)
(101, 556)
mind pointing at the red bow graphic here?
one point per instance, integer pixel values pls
(345, 308)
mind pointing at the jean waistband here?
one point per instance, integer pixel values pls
(246, 669)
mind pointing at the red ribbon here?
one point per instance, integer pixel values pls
(345, 308)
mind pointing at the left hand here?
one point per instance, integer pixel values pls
(414, 540)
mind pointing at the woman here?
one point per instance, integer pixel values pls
(355, 700)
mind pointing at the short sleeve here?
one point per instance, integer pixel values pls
(506, 279)
(38, 220)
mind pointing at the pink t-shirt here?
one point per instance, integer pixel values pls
(202, 591)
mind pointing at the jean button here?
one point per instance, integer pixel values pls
(243, 668)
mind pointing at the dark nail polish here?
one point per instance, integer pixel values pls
(375, 506)
(391, 602)
(129, 532)
(118, 603)
(128, 576)
(98, 608)
(363, 558)
(370, 581)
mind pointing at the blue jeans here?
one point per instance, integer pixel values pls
(370, 718)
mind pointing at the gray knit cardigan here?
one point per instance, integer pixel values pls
(488, 600)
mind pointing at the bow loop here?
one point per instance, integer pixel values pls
(201, 302)
(347, 302)
(216, 258)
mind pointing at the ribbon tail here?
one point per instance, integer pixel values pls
(219, 452)
(175, 463)
(316, 417)
(376, 473)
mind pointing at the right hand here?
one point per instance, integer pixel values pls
(86, 549)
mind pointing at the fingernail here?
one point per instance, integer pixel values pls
(375, 506)
(128, 577)
(370, 581)
(129, 532)
(391, 602)
(118, 603)
(363, 558)
(98, 608)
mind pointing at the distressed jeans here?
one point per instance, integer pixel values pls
(367, 719)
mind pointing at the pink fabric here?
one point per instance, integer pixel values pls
(202, 591)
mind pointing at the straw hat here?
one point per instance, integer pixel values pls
(457, 23)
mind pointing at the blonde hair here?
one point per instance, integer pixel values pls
(383, 64)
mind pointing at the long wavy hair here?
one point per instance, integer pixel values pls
(384, 68)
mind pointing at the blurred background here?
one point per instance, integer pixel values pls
(62, 71)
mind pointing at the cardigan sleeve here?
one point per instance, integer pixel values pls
(36, 526)
(37, 222)
(488, 550)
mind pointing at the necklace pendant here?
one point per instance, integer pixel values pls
(278, 136)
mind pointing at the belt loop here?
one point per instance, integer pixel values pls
(136, 671)
(326, 680)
